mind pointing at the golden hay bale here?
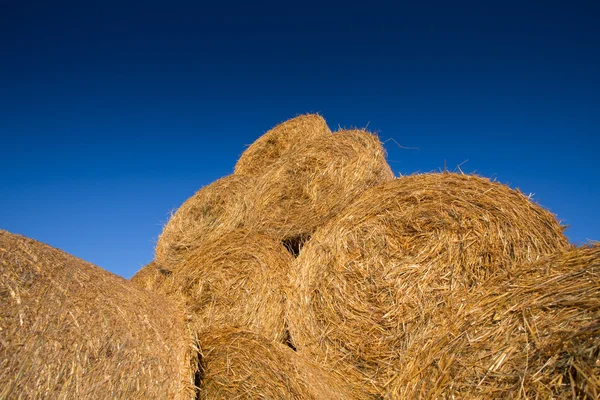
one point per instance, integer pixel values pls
(368, 280)
(315, 182)
(212, 211)
(68, 329)
(238, 279)
(151, 276)
(238, 364)
(534, 333)
(280, 140)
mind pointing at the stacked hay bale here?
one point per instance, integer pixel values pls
(151, 276)
(71, 330)
(242, 364)
(277, 143)
(300, 192)
(533, 332)
(369, 281)
(213, 211)
(237, 280)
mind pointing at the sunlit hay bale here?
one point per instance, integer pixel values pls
(238, 279)
(212, 211)
(238, 364)
(316, 181)
(70, 330)
(280, 140)
(531, 334)
(151, 276)
(368, 281)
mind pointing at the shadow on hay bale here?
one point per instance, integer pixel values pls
(68, 329)
(279, 141)
(238, 364)
(238, 279)
(212, 211)
(315, 182)
(532, 333)
(370, 279)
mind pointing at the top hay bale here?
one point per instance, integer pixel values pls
(368, 280)
(532, 333)
(316, 181)
(239, 364)
(71, 330)
(280, 140)
(212, 211)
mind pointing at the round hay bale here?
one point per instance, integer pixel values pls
(533, 333)
(280, 140)
(212, 211)
(238, 364)
(368, 280)
(70, 330)
(151, 276)
(238, 279)
(316, 181)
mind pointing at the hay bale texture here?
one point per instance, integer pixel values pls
(316, 181)
(71, 330)
(236, 280)
(367, 282)
(279, 141)
(239, 364)
(151, 276)
(530, 333)
(213, 211)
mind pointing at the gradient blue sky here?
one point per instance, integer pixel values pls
(112, 114)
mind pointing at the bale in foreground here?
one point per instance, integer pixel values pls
(280, 141)
(315, 182)
(532, 335)
(71, 330)
(368, 281)
(238, 279)
(238, 364)
(212, 211)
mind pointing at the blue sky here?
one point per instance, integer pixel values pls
(112, 114)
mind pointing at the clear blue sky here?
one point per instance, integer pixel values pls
(112, 114)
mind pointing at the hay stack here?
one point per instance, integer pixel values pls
(151, 276)
(279, 141)
(532, 335)
(239, 364)
(71, 330)
(212, 211)
(370, 279)
(238, 279)
(315, 182)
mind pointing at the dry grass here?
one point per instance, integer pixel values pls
(239, 364)
(315, 182)
(69, 330)
(236, 280)
(151, 276)
(279, 141)
(214, 210)
(368, 281)
(530, 333)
